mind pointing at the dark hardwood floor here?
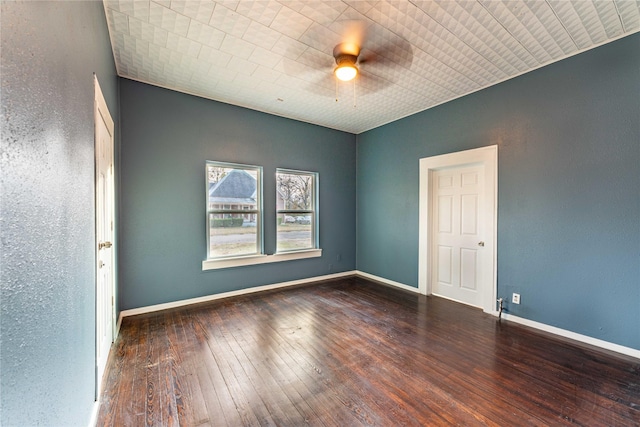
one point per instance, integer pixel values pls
(352, 352)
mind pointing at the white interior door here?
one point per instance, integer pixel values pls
(105, 196)
(458, 234)
(458, 211)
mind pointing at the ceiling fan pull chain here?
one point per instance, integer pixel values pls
(336, 90)
(354, 93)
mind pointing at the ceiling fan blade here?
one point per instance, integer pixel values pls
(353, 33)
(385, 48)
(370, 83)
(367, 56)
(324, 86)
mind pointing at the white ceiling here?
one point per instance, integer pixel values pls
(276, 56)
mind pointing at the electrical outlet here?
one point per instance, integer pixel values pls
(515, 299)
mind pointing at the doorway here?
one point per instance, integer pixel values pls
(458, 227)
(105, 212)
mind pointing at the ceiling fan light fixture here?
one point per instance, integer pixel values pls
(346, 69)
(346, 72)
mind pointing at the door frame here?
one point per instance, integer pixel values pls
(101, 112)
(488, 157)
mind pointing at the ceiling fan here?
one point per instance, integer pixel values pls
(372, 47)
(365, 50)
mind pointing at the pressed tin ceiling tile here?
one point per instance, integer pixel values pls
(277, 56)
(205, 35)
(261, 35)
(263, 12)
(196, 10)
(167, 19)
(629, 13)
(291, 23)
(229, 21)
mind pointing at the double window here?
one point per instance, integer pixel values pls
(235, 214)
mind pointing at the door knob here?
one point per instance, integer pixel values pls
(104, 245)
(481, 244)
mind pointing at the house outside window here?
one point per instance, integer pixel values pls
(296, 204)
(234, 210)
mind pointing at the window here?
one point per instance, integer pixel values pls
(235, 216)
(234, 210)
(296, 204)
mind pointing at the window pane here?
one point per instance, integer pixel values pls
(295, 232)
(233, 204)
(232, 189)
(296, 210)
(295, 191)
(232, 234)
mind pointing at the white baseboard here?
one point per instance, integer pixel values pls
(181, 303)
(573, 335)
(387, 281)
(94, 413)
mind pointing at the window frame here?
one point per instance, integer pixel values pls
(315, 244)
(258, 211)
(217, 263)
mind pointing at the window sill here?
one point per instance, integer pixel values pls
(215, 264)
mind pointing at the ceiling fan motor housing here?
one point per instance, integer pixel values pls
(346, 59)
(346, 52)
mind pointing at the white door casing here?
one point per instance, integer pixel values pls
(469, 256)
(105, 201)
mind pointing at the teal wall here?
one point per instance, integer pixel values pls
(50, 51)
(166, 139)
(568, 139)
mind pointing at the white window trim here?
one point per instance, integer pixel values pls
(218, 263)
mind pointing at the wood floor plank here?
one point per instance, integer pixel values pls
(136, 411)
(190, 350)
(257, 360)
(308, 353)
(180, 371)
(220, 407)
(359, 341)
(247, 403)
(153, 408)
(266, 408)
(352, 352)
(299, 374)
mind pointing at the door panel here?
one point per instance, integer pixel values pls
(457, 196)
(445, 214)
(468, 268)
(444, 265)
(469, 214)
